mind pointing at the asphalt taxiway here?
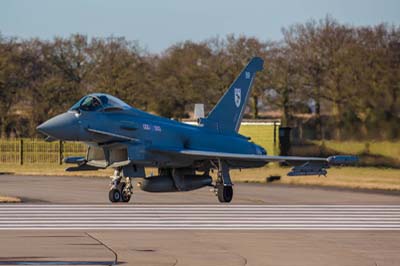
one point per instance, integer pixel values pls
(68, 221)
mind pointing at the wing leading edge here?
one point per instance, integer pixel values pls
(252, 157)
(310, 166)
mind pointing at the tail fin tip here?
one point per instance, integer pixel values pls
(256, 64)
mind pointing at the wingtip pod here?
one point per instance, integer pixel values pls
(342, 160)
(256, 64)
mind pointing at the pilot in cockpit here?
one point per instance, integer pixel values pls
(90, 104)
(99, 102)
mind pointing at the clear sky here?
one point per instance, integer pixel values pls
(158, 24)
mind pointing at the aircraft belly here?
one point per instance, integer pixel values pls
(176, 162)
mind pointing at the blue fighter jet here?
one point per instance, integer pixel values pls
(129, 140)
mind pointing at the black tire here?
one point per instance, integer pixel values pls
(125, 197)
(114, 195)
(225, 193)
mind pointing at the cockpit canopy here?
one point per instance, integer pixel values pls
(99, 102)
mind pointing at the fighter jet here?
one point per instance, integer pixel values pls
(129, 140)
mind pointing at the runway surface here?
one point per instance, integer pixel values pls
(69, 221)
(199, 217)
(86, 190)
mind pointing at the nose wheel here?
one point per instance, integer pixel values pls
(120, 191)
(125, 191)
(114, 195)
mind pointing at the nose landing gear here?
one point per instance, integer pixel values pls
(125, 189)
(120, 191)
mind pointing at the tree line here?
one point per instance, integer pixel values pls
(338, 81)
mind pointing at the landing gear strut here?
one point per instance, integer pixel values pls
(120, 191)
(223, 186)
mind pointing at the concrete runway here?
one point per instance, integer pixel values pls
(68, 221)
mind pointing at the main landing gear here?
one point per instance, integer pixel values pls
(224, 193)
(223, 186)
(120, 191)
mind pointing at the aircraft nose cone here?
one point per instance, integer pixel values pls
(64, 127)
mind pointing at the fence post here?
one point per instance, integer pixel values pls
(60, 152)
(21, 151)
(276, 144)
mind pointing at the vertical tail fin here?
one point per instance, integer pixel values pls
(227, 114)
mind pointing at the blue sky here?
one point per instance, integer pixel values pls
(158, 24)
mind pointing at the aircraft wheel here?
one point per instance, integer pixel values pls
(114, 195)
(225, 193)
(125, 195)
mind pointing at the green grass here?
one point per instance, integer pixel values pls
(7, 199)
(262, 135)
(345, 177)
(383, 148)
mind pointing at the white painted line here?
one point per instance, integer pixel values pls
(199, 217)
(221, 206)
(166, 214)
(266, 218)
(205, 225)
(196, 209)
(204, 228)
(199, 214)
(61, 213)
(90, 222)
(199, 208)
